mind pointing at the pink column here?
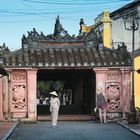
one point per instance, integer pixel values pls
(1, 110)
(100, 78)
(4, 114)
(31, 82)
(126, 91)
(6, 98)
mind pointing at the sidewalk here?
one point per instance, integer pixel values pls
(6, 128)
(135, 128)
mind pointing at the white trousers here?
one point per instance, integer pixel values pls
(54, 117)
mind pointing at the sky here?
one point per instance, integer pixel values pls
(19, 16)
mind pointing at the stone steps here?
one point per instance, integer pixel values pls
(67, 118)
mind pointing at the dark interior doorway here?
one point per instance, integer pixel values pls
(76, 90)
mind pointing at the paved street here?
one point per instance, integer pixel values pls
(70, 130)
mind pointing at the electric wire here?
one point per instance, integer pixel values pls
(70, 3)
(50, 12)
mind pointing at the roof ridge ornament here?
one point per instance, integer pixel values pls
(58, 29)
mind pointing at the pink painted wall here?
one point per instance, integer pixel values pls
(31, 82)
(100, 78)
(117, 87)
(1, 110)
(126, 97)
(18, 92)
(23, 94)
(5, 98)
(4, 112)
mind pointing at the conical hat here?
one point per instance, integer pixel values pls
(54, 93)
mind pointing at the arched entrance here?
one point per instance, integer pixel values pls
(76, 90)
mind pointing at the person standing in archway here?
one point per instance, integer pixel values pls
(101, 105)
(54, 107)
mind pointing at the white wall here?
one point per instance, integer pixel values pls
(120, 34)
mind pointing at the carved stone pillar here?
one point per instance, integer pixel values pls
(31, 82)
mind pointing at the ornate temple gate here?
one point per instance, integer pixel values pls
(110, 69)
(23, 84)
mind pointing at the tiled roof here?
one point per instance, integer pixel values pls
(64, 51)
(126, 9)
(63, 57)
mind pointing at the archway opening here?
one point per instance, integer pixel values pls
(76, 89)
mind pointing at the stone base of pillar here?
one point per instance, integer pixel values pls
(114, 116)
(19, 114)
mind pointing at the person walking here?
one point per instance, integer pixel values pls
(101, 105)
(54, 107)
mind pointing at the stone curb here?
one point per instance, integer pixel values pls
(130, 129)
(10, 131)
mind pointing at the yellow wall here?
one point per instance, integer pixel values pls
(106, 35)
(86, 29)
(137, 82)
(106, 29)
(102, 21)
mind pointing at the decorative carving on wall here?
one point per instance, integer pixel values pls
(18, 94)
(19, 76)
(113, 97)
(112, 76)
(18, 97)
